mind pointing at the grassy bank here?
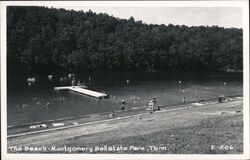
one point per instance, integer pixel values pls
(221, 132)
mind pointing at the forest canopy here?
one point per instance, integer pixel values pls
(49, 39)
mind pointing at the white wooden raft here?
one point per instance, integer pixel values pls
(82, 90)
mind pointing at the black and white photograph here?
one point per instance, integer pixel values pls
(124, 79)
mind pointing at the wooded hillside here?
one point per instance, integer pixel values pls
(47, 39)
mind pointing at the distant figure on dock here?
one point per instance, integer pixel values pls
(70, 76)
(123, 105)
(179, 82)
(89, 80)
(73, 82)
(79, 83)
(225, 83)
(127, 81)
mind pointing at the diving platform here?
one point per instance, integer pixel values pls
(82, 90)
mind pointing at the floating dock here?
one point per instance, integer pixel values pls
(82, 90)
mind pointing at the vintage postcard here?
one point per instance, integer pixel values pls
(125, 79)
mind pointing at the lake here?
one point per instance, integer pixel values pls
(39, 102)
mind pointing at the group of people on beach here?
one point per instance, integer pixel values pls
(112, 114)
(153, 106)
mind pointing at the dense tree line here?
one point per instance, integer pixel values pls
(49, 39)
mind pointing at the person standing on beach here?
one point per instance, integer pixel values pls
(123, 105)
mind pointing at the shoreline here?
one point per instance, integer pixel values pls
(181, 129)
(69, 122)
(108, 112)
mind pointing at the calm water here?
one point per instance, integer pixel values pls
(28, 103)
